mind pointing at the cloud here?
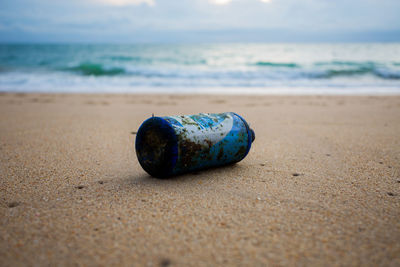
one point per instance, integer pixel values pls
(225, 2)
(220, 2)
(125, 2)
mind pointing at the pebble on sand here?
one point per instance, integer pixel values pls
(165, 263)
(13, 204)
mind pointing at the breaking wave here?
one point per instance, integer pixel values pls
(276, 64)
(93, 69)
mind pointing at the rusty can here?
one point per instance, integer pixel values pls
(171, 145)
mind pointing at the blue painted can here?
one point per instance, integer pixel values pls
(167, 146)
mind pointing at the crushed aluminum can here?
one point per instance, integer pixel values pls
(172, 145)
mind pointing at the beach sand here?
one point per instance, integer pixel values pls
(321, 184)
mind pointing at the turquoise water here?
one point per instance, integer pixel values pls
(219, 68)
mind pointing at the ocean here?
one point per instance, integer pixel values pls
(363, 68)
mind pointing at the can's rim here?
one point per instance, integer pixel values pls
(171, 153)
(250, 135)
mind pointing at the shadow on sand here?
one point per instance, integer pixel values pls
(213, 174)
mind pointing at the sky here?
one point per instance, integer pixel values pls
(143, 21)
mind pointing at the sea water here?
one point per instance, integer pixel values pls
(202, 68)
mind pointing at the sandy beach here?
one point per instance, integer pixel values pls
(320, 186)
